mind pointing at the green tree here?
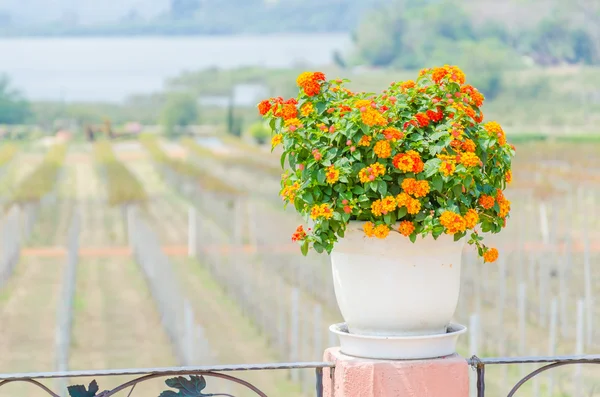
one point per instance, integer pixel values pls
(179, 110)
(14, 109)
(260, 132)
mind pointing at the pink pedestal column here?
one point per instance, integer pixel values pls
(359, 377)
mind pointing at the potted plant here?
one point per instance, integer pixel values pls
(394, 185)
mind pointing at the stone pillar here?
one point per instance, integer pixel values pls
(359, 377)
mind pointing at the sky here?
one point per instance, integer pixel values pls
(84, 12)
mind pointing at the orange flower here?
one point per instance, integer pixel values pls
(403, 199)
(491, 255)
(486, 202)
(508, 176)
(438, 74)
(422, 119)
(286, 111)
(406, 228)
(382, 231)
(493, 128)
(392, 134)
(471, 218)
(369, 229)
(436, 116)
(413, 206)
(404, 162)
(418, 164)
(332, 175)
(504, 208)
(469, 159)
(421, 189)
(409, 185)
(309, 82)
(365, 140)
(299, 235)
(264, 107)
(468, 146)
(383, 149)
(477, 97)
(407, 85)
(447, 168)
(453, 222)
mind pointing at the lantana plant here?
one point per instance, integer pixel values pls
(416, 159)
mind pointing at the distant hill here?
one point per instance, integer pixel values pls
(178, 17)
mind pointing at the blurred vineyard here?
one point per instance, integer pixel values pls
(159, 253)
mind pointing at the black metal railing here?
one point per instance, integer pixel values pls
(189, 381)
(479, 364)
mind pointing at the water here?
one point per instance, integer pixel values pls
(110, 69)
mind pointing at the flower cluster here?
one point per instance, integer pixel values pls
(416, 159)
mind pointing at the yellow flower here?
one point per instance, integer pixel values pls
(322, 210)
(369, 229)
(365, 140)
(415, 188)
(508, 176)
(307, 109)
(382, 149)
(388, 204)
(293, 122)
(406, 228)
(504, 208)
(332, 175)
(289, 192)
(413, 206)
(471, 218)
(362, 103)
(469, 159)
(376, 208)
(490, 255)
(447, 168)
(403, 199)
(382, 231)
(453, 222)
(276, 140)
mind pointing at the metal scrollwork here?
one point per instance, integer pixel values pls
(552, 362)
(187, 382)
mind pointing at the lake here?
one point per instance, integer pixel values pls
(110, 69)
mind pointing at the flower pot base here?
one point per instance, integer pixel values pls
(398, 347)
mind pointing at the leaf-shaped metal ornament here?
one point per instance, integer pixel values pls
(81, 391)
(187, 387)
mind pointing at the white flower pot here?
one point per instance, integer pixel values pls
(393, 287)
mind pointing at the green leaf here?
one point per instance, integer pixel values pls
(413, 237)
(437, 183)
(437, 231)
(387, 218)
(282, 159)
(80, 390)
(321, 107)
(324, 225)
(402, 212)
(457, 190)
(458, 236)
(321, 176)
(432, 166)
(382, 188)
(373, 186)
(318, 247)
(303, 249)
(187, 387)
(358, 190)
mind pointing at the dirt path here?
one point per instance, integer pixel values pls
(232, 337)
(28, 320)
(116, 324)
